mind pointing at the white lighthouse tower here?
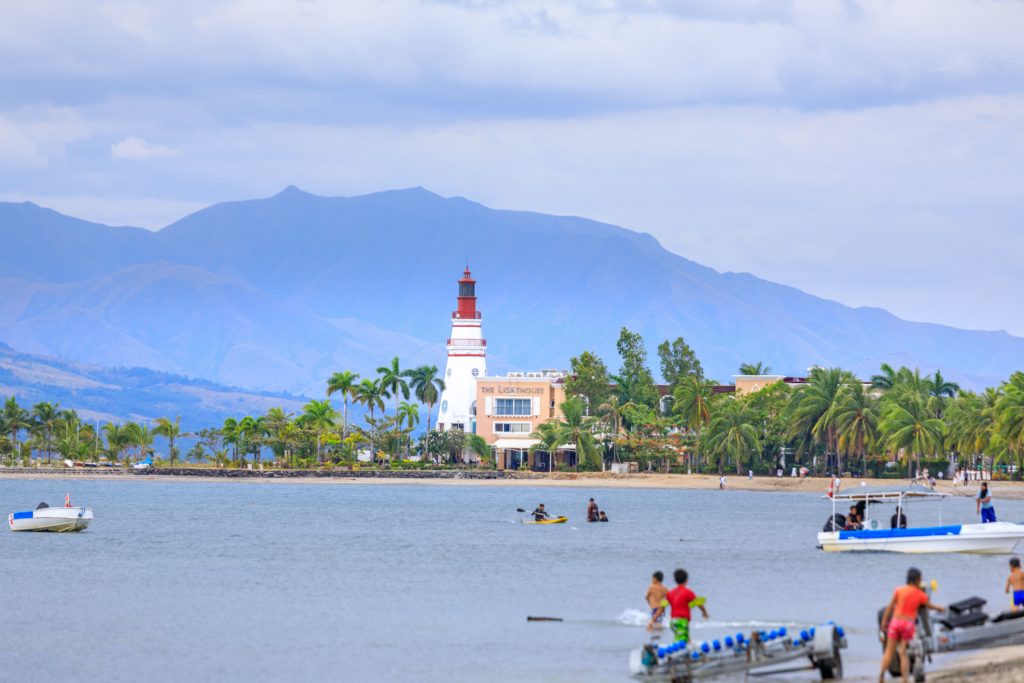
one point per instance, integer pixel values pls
(467, 360)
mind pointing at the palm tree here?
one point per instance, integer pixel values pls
(171, 431)
(813, 410)
(886, 379)
(757, 368)
(1010, 418)
(732, 433)
(250, 433)
(940, 387)
(408, 414)
(140, 436)
(693, 398)
(856, 418)
(550, 436)
(908, 426)
(579, 430)
(16, 419)
(369, 393)
(392, 381)
(320, 417)
(477, 444)
(230, 436)
(427, 388)
(117, 440)
(343, 383)
(276, 421)
(45, 415)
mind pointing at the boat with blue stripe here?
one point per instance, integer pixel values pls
(46, 518)
(874, 532)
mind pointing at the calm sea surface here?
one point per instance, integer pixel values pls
(232, 581)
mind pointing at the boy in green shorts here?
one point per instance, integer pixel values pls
(681, 599)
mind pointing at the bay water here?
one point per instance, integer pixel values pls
(280, 581)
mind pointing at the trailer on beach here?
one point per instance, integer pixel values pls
(759, 653)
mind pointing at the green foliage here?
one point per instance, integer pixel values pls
(588, 379)
(634, 383)
(678, 361)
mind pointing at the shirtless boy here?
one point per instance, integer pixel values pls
(1015, 583)
(657, 600)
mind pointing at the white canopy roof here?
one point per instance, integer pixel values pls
(894, 492)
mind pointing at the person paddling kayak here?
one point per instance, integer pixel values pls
(540, 514)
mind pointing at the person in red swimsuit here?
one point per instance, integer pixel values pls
(899, 619)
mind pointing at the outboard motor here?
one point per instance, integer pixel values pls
(836, 522)
(42, 506)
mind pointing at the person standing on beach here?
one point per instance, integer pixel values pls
(1015, 583)
(984, 503)
(680, 600)
(592, 514)
(899, 621)
(721, 482)
(657, 600)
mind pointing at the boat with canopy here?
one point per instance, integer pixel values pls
(880, 533)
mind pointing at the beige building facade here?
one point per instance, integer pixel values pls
(509, 409)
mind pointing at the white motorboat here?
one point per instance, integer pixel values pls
(46, 518)
(881, 535)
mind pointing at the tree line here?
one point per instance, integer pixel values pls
(320, 434)
(833, 422)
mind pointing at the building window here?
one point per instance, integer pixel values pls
(476, 372)
(512, 406)
(512, 428)
(472, 408)
(444, 406)
(449, 372)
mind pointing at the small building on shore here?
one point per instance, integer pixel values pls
(509, 409)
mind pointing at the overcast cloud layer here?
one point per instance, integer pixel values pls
(869, 152)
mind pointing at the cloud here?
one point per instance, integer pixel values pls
(866, 150)
(137, 149)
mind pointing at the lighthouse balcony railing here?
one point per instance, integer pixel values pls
(476, 343)
(462, 316)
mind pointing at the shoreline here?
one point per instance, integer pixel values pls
(1001, 489)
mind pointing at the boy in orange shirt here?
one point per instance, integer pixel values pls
(899, 621)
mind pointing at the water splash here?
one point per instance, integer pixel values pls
(633, 617)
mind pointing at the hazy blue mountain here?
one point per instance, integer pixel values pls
(115, 394)
(277, 292)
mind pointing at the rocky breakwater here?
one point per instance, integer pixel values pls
(233, 473)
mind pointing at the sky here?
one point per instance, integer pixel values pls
(865, 151)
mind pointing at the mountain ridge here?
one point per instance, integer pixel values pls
(293, 264)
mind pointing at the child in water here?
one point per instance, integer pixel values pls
(656, 600)
(1015, 582)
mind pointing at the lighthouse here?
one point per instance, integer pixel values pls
(467, 360)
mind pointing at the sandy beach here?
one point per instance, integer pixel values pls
(1000, 489)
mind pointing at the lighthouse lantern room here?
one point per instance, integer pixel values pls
(467, 360)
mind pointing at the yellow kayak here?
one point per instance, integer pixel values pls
(553, 520)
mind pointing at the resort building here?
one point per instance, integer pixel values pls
(748, 384)
(467, 360)
(510, 408)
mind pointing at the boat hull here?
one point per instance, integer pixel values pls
(999, 538)
(51, 519)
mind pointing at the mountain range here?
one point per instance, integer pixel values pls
(118, 394)
(275, 294)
